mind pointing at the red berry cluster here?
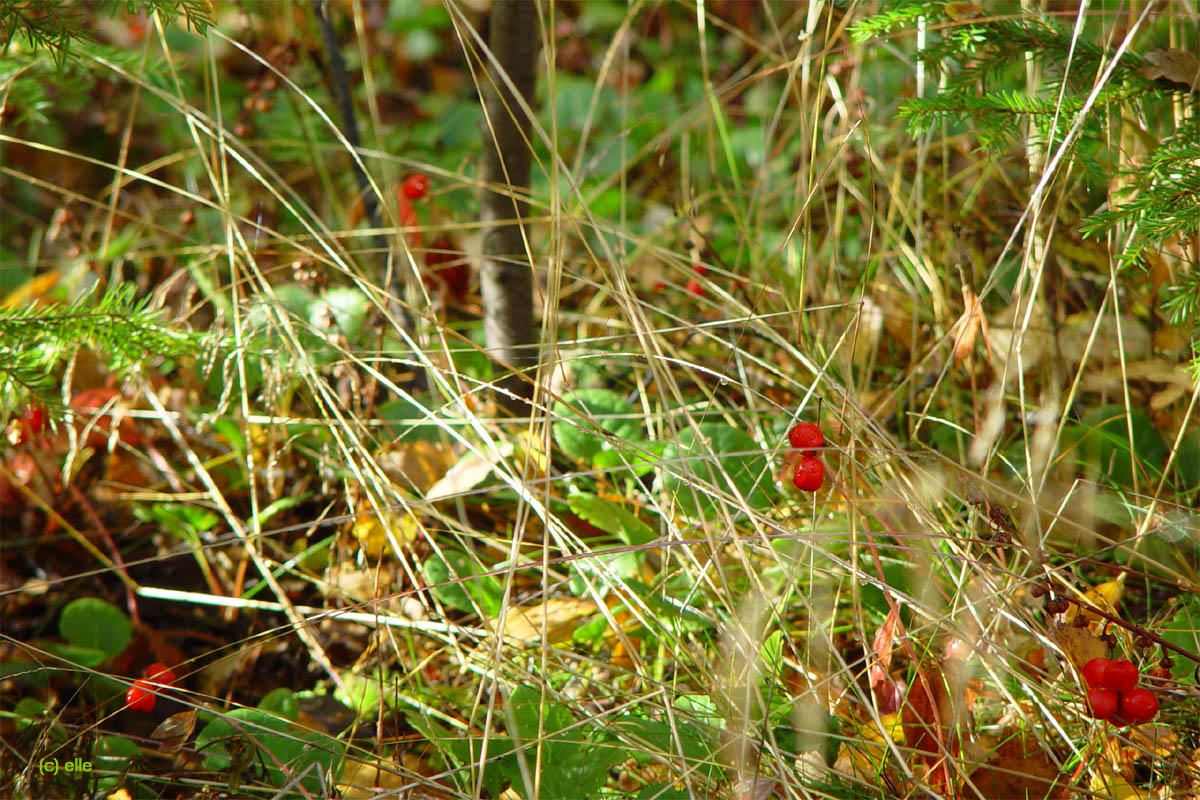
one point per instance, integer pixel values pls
(810, 472)
(1113, 692)
(140, 696)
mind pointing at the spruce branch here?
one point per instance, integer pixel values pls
(33, 340)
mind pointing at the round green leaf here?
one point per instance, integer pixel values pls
(575, 434)
(296, 748)
(96, 624)
(690, 471)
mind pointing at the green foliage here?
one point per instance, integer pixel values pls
(37, 84)
(452, 580)
(55, 25)
(611, 518)
(1183, 630)
(577, 434)
(95, 624)
(900, 15)
(1163, 202)
(1106, 444)
(691, 470)
(977, 59)
(576, 758)
(34, 340)
(254, 737)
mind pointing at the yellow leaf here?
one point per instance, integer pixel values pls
(557, 617)
(416, 465)
(865, 753)
(372, 532)
(1104, 597)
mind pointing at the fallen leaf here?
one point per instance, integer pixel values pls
(962, 12)
(1104, 597)
(1175, 66)
(1017, 769)
(470, 471)
(556, 616)
(882, 647)
(969, 326)
(173, 731)
(1078, 644)
(374, 533)
(416, 465)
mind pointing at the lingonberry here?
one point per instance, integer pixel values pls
(1103, 703)
(1138, 706)
(695, 287)
(140, 697)
(415, 186)
(159, 672)
(806, 437)
(700, 269)
(809, 474)
(1093, 672)
(1120, 676)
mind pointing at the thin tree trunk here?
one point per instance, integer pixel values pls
(507, 276)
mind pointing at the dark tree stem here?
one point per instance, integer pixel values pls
(339, 86)
(507, 276)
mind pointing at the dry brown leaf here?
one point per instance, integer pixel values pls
(362, 780)
(470, 471)
(962, 12)
(970, 324)
(882, 647)
(173, 731)
(1015, 770)
(1176, 66)
(557, 617)
(1154, 370)
(1078, 644)
(416, 466)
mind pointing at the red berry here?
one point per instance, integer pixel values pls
(139, 697)
(1120, 676)
(33, 423)
(1103, 702)
(1093, 672)
(159, 673)
(694, 287)
(806, 436)
(809, 474)
(700, 269)
(1138, 706)
(415, 186)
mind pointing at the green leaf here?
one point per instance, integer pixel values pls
(611, 518)
(1183, 630)
(87, 656)
(93, 623)
(296, 748)
(652, 740)
(693, 471)
(608, 410)
(451, 582)
(282, 702)
(1105, 444)
(1187, 462)
(578, 766)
